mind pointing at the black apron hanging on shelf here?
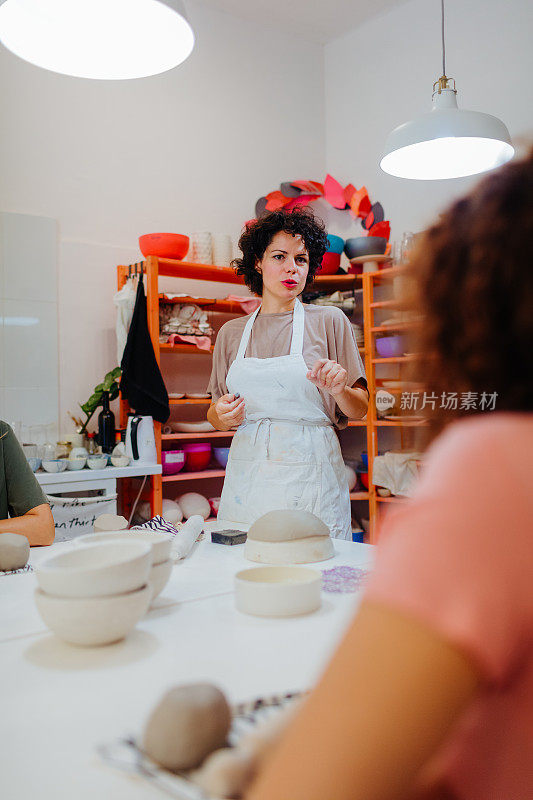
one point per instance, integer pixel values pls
(142, 384)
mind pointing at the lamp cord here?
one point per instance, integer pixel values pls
(443, 43)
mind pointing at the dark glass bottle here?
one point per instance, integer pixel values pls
(106, 426)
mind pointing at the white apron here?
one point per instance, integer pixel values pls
(286, 453)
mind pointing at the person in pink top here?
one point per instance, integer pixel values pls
(430, 694)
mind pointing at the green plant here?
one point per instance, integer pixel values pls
(109, 384)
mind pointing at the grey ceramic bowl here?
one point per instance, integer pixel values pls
(365, 246)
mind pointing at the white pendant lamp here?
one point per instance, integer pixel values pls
(103, 39)
(447, 142)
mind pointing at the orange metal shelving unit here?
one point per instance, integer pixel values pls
(370, 305)
(153, 268)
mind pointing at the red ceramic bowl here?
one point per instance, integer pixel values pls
(197, 456)
(330, 264)
(173, 461)
(164, 245)
(363, 477)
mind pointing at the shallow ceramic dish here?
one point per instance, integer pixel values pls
(54, 464)
(176, 395)
(159, 575)
(97, 462)
(96, 570)
(335, 244)
(120, 461)
(192, 427)
(390, 346)
(221, 454)
(277, 591)
(197, 395)
(365, 246)
(92, 621)
(164, 245)
(76, 463)
(160, 543)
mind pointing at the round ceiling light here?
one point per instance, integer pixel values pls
(446, 143)
(102, 39)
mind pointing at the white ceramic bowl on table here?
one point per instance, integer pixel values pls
(159, 575)
(93, 621)
(54, 464)
(97, 462)
(277, 591)
(97, 570)
(160, 543)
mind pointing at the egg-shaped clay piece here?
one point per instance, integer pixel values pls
(110, 522)
(14, 551)
(188, 723)
(226, 773)
(171, 512)
(144, 511)
(288, 536)
(351, 476)
(193, 503)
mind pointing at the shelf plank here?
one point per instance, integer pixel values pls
(170, 268)
(390, 272)
(209, 304)
(390, 499)
(357, 423)
(174, 401)
(191, 349)
(392, 423)
(397, 326)
(359, 495)
(194, 476)
(395, 360)
(387, 304)
(172, 437)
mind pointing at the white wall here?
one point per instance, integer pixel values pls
(191, 149)
(381, 74)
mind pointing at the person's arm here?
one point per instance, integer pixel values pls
(369, 730)
(328, 375)
(37, 525)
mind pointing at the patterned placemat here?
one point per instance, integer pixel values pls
(343, 579)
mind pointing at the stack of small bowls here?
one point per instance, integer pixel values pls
(332, 257)
(95, 595)
(160, 559)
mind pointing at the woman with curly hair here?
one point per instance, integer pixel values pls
(284, 377)
(430, 695)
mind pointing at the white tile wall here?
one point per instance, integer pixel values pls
(28, 320)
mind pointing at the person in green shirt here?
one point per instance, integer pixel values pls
(23, 506)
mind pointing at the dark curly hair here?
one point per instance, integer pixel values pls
(474, 287)
(258, 234)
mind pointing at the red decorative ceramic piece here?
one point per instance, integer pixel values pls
(334, 192)
(164, 245)
(360, 203)
(275, 201)
(330, 264)
(380, 229)
(309, 187)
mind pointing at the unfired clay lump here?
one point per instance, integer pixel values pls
(14, 551)
(109, 522)
(192, 504)
(188, 723)
(285, 525)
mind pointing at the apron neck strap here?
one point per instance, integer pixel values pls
(298, 326)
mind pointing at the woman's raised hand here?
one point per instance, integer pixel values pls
(230, 410)
(328, 375)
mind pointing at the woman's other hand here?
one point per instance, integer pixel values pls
(328, 375)
(230, 410)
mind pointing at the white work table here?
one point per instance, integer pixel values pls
(59, 702)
